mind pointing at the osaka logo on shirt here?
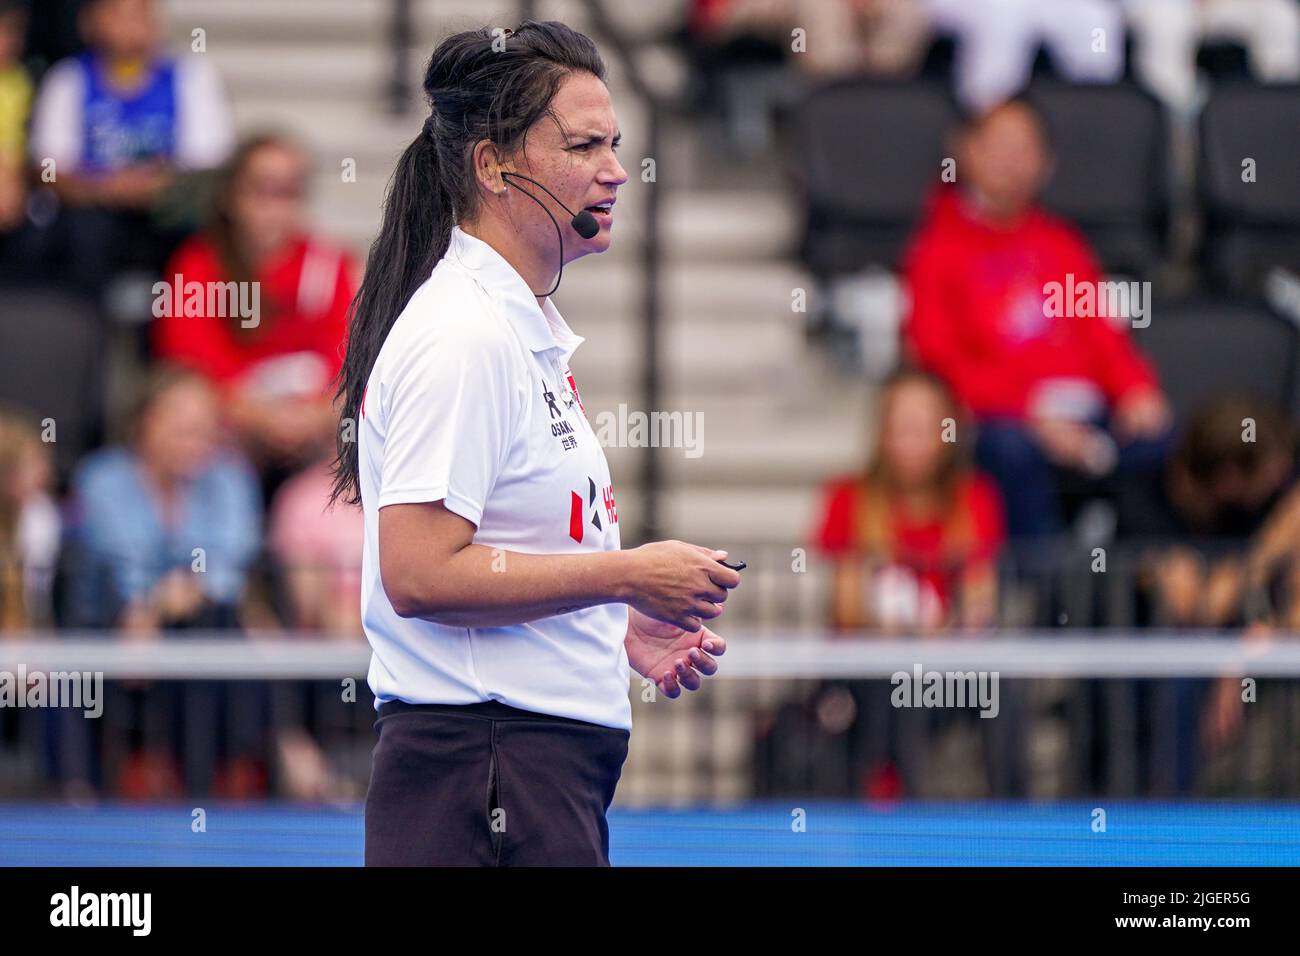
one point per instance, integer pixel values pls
(561, 429)
(580, 510)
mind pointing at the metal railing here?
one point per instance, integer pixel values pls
(1119, 714)
(1091, 702)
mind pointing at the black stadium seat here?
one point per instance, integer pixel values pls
(1110, 175)
(869, 151)
(1204, 347)
(52, 364)
(1251, 227)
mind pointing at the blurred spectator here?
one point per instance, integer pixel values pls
(141, 509)
(1223, 485)
(15, 102)
(29, 523)
(885, 38)
(274, 371)
(165, 528)
(319, 549)
(1234, 462)
(1270, 577)
(738, 45)
(1168, 33)
(914, 541)
(876, 38)
(119, 123)
(997, 42)
(739, 49)
(1069, 393)
(915, 538)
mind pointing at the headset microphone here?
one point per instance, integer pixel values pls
(584, 223)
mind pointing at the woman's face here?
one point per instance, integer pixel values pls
(179, 430)
(581, 168)
(267, 198)
(911, 439)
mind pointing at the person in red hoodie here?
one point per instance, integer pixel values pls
(274, 369)
(1049, 392)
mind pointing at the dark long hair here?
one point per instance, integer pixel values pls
(481, 84)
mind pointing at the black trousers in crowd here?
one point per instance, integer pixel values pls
(489, 785)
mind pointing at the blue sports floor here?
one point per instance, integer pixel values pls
(987, 834)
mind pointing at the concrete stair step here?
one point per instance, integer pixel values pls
(612, 354)
(796, 457)
(724, 294)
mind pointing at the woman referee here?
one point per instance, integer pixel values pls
(502, 614)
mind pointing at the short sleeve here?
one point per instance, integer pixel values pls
(57, 117)
(205, 133)
(449, 416)
(835, 533)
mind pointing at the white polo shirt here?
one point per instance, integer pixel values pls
(471, 401)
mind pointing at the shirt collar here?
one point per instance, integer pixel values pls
(539, 327)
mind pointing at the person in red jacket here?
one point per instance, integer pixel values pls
(1048, 390)
(274, 367)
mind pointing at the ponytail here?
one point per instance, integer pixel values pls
(414, 236)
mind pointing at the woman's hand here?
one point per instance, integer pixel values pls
(679, 583)
(669, 655)
(178, 595)
(140, 623)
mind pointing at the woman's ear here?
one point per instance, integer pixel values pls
(488, 166)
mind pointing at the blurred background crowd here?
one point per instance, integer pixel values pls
(951, 455)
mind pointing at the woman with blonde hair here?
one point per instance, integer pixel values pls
(30, 525)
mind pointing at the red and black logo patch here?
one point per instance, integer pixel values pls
(578, 510)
